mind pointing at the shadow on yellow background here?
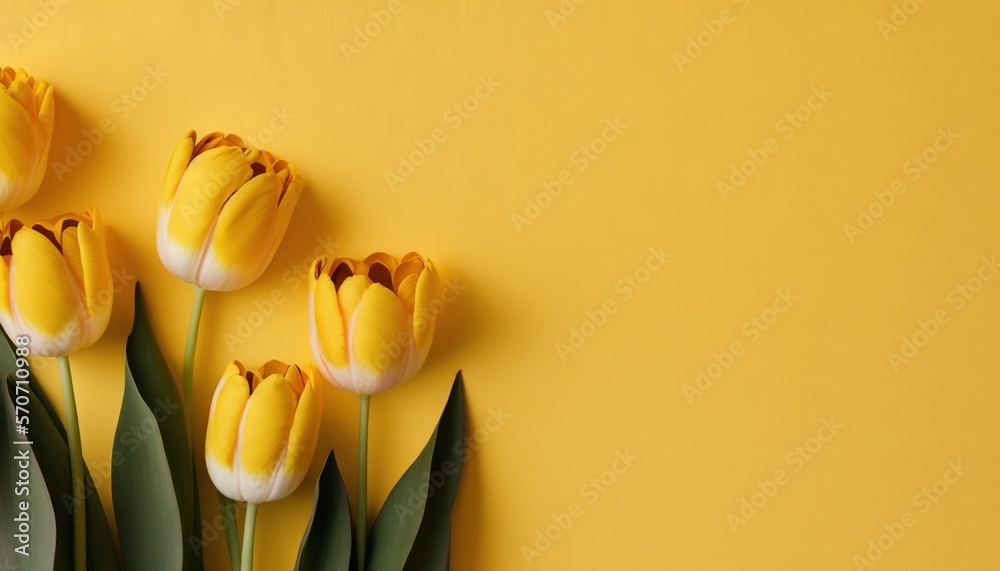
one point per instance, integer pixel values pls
(724, 269)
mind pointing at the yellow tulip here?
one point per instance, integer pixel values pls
(371, 322)
(224, 209)
(262, 430)
(55, 282)
(27, 111)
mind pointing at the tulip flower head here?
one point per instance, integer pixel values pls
(27, 112)
(55, 282)
(371, 322)
(224, 210)
(262, 430)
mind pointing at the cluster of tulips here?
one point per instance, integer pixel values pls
(223, 212)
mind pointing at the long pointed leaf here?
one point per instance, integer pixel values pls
(413, 528)
(149, 522)
(328, 542)
(432, 547)
(155, 385)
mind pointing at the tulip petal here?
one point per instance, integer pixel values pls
(407, 293)
(424, 314)
(24, 95)
(349, 296)
(71, 253)
(17, 153)
(411, 267)
(305, 428)
(286, 206)
(379, 337)
(274, 367)
(179, 160)
(266, 425)
(46, 114)
(98, 287)
(242, 236)
(294, 377)
(210, 179)
(225, 416)
(329, 324)
(45, 296)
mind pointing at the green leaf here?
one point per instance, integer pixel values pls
(42, 547)
(328, 542)
(52, 453)
(149, 521)
(156, 386)
(413, 529)
(101, 552)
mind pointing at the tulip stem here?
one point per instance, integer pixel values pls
(192, 344)
(361, 525)
(227, 508)
(248, 532)
(75, 466)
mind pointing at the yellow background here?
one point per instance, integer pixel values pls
(654, 186)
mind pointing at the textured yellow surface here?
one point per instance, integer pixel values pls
(641, 209)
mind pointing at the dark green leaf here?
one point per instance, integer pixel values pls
(328, 543)
(149, 521)
(156, 387)
(413, 528)
(101, 552)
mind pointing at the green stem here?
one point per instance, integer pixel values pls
(192, 344)
(227, 508)
(361, 530)
(248, 531)
(75, 466)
